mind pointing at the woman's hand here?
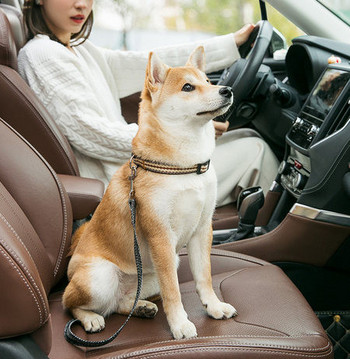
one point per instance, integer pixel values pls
(242, 35)
(220, 128)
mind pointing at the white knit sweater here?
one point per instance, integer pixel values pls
(81, 91)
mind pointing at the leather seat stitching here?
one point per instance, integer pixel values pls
(220, 253)
(251, 324)
(64, 206)
(22, 264)
(170, 351)
(65, 226)
(215, 275)
(16, 235)
(3, 198)
(230, 343)
(25, 282)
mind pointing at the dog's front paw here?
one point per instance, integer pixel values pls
(184, 329)
(221, 310)
(93, 322)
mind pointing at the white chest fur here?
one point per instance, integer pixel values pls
(185, 202)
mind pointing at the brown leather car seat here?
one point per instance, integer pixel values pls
(274, 320)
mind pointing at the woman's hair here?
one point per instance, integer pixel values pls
(35, 24)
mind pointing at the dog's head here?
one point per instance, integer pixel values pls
(184, 93)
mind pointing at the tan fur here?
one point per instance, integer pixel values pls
(102, 270)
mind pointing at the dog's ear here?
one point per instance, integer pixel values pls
(197, 59)
(156, 72)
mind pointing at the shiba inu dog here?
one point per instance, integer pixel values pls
(175, 192)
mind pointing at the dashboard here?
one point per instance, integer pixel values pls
(317, 157)
(307, 57)
(301, 107)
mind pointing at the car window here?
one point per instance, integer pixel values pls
(282, 24)
(341, 8)
(129, 24)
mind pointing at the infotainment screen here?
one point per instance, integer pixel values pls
(326, 93)
(325, 103)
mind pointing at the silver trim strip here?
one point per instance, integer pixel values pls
(222, 231)
(320, 214)
(274, 186)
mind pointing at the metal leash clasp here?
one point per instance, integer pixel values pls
(132, 176)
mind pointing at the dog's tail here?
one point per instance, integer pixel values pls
(76, 236)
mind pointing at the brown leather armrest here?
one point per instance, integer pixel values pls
(84, 193)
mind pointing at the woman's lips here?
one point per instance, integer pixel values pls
(78, 19)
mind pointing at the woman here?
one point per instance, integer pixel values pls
(81, 84)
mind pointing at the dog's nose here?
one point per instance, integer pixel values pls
(226, 91)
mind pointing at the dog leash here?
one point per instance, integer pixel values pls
(68, 334)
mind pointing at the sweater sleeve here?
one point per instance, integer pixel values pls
(58, 80)
(129, 67)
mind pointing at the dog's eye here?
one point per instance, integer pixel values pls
(187, 88)
(208, 81)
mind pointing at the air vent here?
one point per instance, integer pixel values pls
(341, 119)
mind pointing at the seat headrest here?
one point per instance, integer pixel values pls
(12, 35)
(8, 49)
(15, 18)
(16, 3)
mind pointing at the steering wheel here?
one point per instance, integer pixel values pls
(240, 76)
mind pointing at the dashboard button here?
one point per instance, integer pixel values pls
(298, 165)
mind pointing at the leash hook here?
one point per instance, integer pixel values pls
(132, 176)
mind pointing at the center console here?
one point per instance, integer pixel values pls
(325, 112)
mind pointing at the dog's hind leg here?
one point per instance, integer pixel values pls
(199, 255)
(144, 308)
(77, 299)
(93, 292)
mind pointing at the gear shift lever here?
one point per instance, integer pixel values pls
(250, 200)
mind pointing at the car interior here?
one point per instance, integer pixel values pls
(281, 259)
